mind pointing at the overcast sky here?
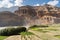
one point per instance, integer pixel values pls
(10, 3)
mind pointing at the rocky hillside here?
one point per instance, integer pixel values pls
(46, 14)
(31, 15)
(9, 19)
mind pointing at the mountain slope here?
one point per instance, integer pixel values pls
(9, 19)
(11, 9)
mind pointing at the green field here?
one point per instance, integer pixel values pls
(3, 37)
(39, 33)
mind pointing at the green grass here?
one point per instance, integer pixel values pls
(44, 30)
(51, 29)
(35, 28)
(58, 36)
(26, 33)
(3, 37)
(39, 30)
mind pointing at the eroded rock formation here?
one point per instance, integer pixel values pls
(32, 15)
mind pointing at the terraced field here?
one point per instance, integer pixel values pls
(47, 33)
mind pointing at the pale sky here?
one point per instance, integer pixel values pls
(11, 3)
